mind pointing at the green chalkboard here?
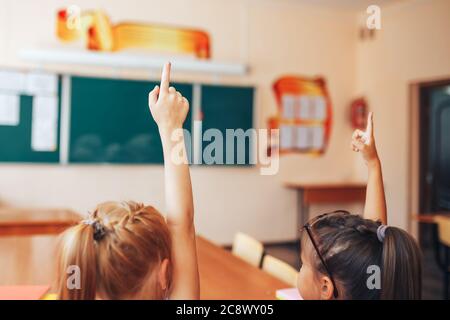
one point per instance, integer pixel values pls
(110, 121)
(15, 141)
(228, 107)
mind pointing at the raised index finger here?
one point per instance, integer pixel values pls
(369, 128)
(165, 78)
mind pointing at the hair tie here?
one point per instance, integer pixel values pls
(99, 229)
(381, 231)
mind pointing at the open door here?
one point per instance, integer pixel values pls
(434, 151)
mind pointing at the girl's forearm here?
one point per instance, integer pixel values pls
(178, 189)
(375, 206)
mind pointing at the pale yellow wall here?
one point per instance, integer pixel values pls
(413, 44)
(274, 37)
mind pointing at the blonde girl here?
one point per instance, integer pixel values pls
(127, 250)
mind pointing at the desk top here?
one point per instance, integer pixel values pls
(28, 216)
(224, 276)
(325, 185)
(29, 260)
(24, 221)
(430, 217)
(314, 193)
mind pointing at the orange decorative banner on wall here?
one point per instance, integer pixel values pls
(95, 28)
(304, 115)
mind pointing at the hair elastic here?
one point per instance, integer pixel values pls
(381, 231)
(99, 229)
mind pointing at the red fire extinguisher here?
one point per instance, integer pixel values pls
(358, 113)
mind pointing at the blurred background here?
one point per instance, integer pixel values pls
(226, 55)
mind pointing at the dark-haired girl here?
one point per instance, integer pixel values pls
(346, 256)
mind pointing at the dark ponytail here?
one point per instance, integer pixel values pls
(401, 266)
(350, 246)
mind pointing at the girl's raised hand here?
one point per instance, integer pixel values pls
(167, 106)
(364, 142)
(169, 110)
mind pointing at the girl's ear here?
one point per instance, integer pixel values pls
(163, 274)
(326, 288)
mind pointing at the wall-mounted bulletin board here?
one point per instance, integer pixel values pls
(30, 104)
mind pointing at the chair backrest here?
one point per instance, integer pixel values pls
(248, 249)
(280, 270)
(443, 229)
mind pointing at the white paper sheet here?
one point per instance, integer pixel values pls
(319, 108)
(303, 140)
(289, 104)
(44, 123)
(304, 108)
(9, 109)
(12, 81)
(42, 84)
(286, 137)
(317, 137)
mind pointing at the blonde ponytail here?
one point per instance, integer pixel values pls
(119, 252)
(77, 258)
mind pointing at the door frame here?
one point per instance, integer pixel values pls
(414, 164)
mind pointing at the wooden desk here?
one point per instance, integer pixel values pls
(430, 217)
(224, 276)
(30, 261)
(310, 193)
(26, 222)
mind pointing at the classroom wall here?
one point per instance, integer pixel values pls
(274, 38)
(412, 45)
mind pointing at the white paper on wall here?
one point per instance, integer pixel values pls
(9, 109)
(39, 83)
(317, 141)
(288, 103)
(12, 81)
(319, 108)
(286, 137)
(303, 139)
(44, 124)
(304, 107)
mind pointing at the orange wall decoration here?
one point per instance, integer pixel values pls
(95, 28)
(304, 115)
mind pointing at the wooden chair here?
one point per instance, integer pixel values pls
(248, 249)
(280, 270)
(443, 226)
